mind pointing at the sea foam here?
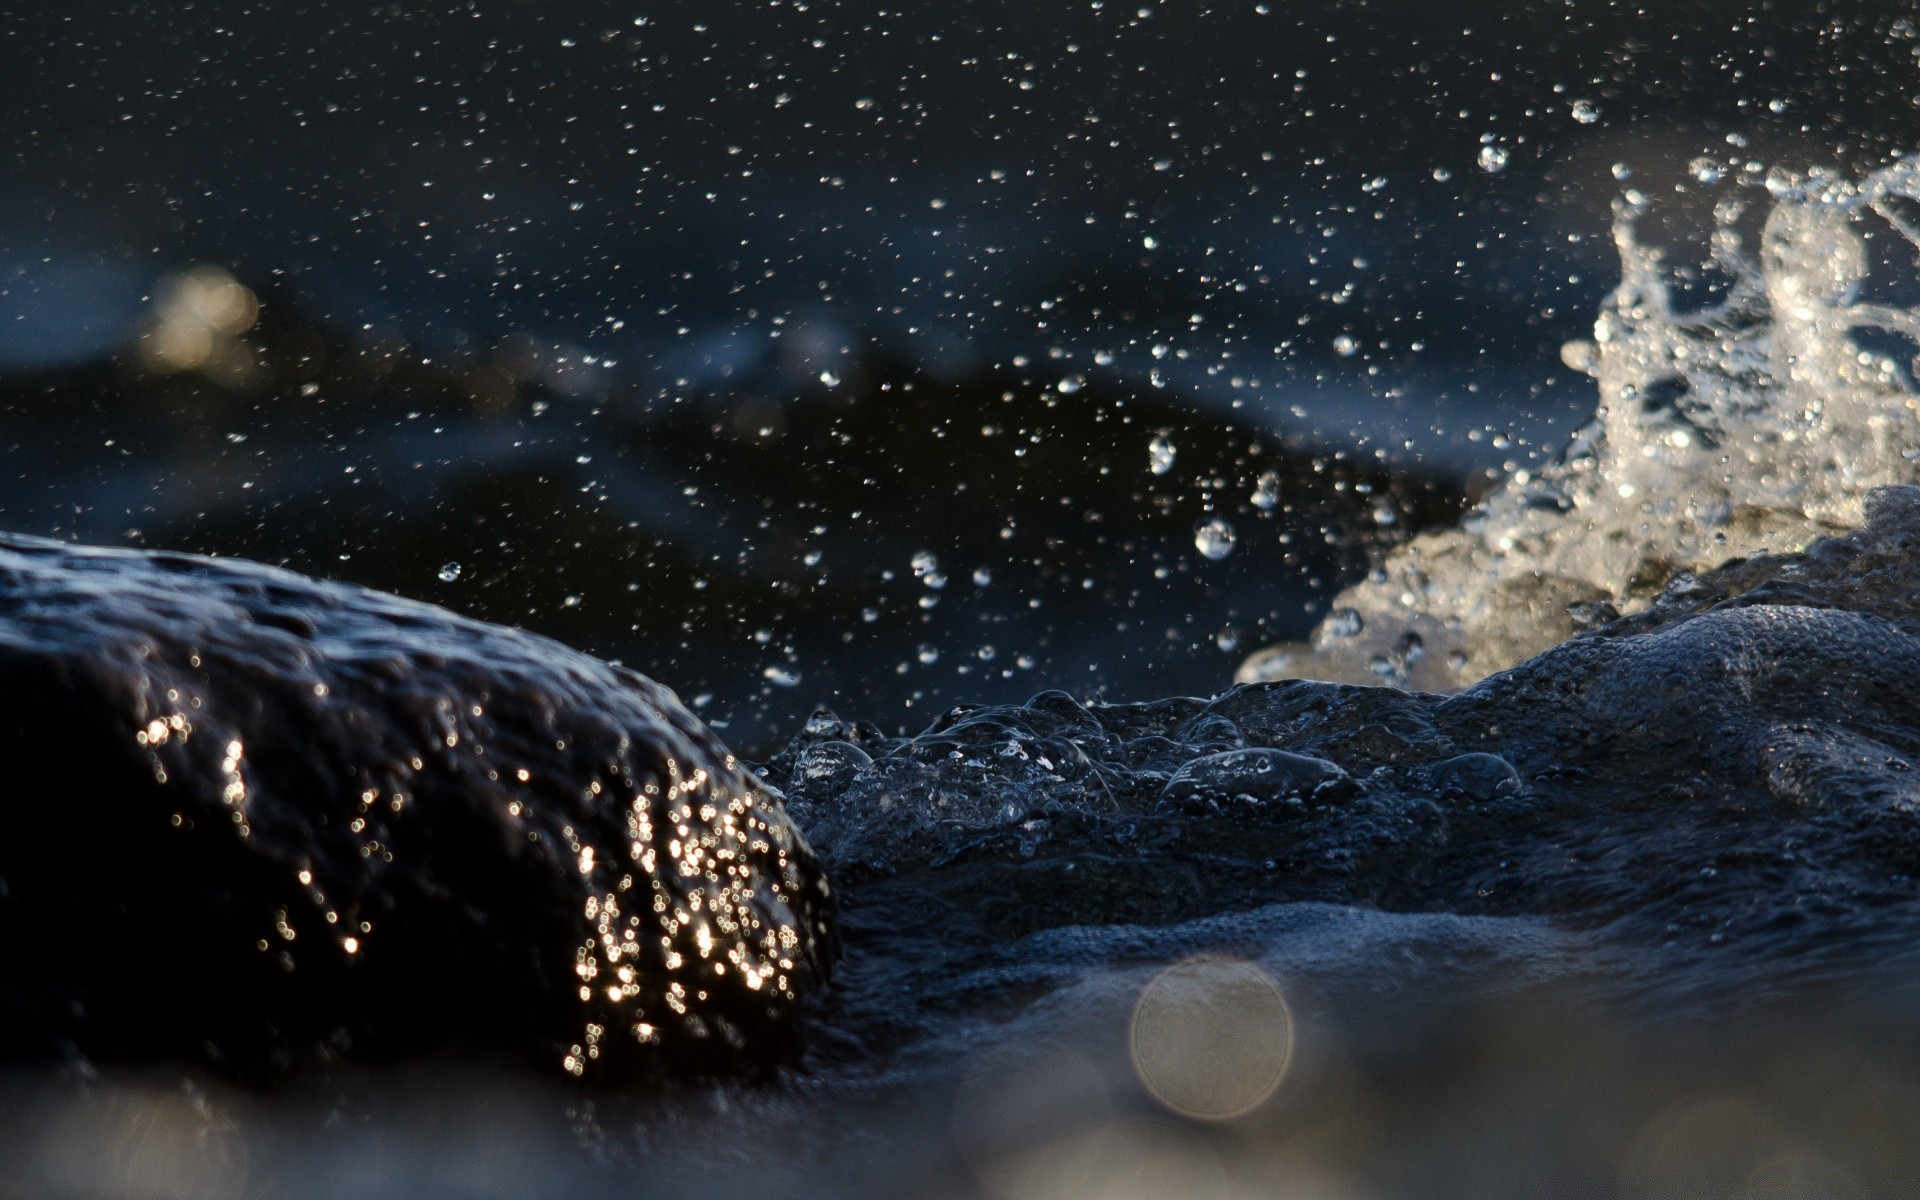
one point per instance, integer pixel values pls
(1756, 423)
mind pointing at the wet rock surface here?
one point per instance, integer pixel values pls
(269, 824)
(1723, 783)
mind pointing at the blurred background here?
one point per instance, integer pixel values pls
(806, 352)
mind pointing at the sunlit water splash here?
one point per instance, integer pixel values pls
(1754, 424)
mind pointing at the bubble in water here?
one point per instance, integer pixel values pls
(1493, 158)
(1266, 491)
(1160, 452)
(1345, 346)
(1227, 639)
(1586, 111)
(449, 572)
(928, 655)
(1215, 537)
(1705, 170)
(1441, 174)
(1384, 515)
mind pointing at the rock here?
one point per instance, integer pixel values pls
(270, 823)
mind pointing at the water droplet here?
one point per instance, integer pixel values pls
(449, 572)
(1384, 516)
(1586, 111)
(781, 677)
(1441, 174)
(1266, 491)
(928, 655)
(1215, 537)
(1227, 639)
(1345, 346)
(1493, 158)
(1705, 170)
(1160, 453)
(1345, 622)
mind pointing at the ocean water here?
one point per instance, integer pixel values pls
(1634, 916)
(920, 396)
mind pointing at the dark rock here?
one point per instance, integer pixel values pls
(269, 822)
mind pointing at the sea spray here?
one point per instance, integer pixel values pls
(1754, 424)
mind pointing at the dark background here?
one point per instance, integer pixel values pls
(632, 309)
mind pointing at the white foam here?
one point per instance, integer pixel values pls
(1756, 423)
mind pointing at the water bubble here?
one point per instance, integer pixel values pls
(1215, 537)
(1493, 158)
(1585, 111)
(982, 577)
(1266, 491)
(1227, 639)
(449, 572)
(1622, 172)
(1160, 453)
(1705, 170)
(1441, 174)
(1345, 346)
(928, 655)
(781, 677)
(1383, 514)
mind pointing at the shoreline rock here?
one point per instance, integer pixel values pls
(271, 823)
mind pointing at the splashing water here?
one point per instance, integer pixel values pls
(1755, 424)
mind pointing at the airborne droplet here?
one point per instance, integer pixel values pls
(1266, 491)
(1160, 454)
(1215, 537)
